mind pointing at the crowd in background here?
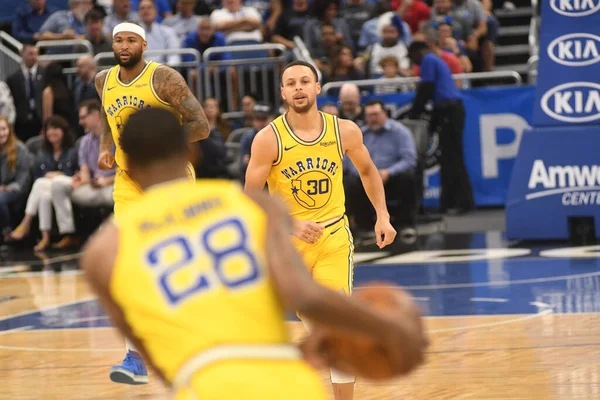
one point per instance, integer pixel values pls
(48, 131)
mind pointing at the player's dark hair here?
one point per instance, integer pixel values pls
(152, 135)
(301, 63)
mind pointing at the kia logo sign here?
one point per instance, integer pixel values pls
(575, 49)
(574, 102)
(575, 8)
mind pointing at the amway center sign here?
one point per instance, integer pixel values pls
(577, 185)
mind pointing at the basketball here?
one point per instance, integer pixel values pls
(367, 359)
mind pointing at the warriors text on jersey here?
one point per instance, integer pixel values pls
(308, 175)
(120, 100)
(192, 281)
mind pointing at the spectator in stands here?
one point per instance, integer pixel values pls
(391, 69)
(56, 97)
(393, 151)
(356, 13)
(448, 119)
(460, 28)
(241, 25)
(205, 37)
(328, 50)
(413, 12)
(14, 174)
(101, 6)
(163, 8)
(330, 108)
(206, 7)
(262, 115)
(269, 11)
(121, 12)
(56, 157)
(158, 36)
(448, 43)
(29, 20)
(453, 62)
(325, 12)
(7, 104)
(389, 46)
(372, 30)
(291, 23)
(344, 68)
(493, 26)
(65, 24)
(26, 86)
(215, 120)
(212, 154)
(84, 88)
(246, 121)
(350, 107)
(90, 187)
(473, 12)
(94, 25)
(184, 22)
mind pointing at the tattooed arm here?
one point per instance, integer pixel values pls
(105, 159)
(170, 86)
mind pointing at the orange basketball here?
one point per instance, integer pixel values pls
(360, 355)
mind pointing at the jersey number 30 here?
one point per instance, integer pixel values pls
(199, 279)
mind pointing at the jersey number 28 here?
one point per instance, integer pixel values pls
(202, 280)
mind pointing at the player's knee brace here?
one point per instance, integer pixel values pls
(339, 377)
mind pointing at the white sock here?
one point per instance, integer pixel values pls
(130, 346)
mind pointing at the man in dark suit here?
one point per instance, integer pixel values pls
(84, 84)
(26, 86)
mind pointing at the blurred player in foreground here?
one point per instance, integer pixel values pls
(198, 276)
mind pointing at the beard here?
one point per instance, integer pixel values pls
(133, 60)
(301, 109)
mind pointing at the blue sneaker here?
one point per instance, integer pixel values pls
(132, 371)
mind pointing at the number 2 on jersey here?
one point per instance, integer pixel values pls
(189, 253)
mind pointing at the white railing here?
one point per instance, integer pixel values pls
(75, 44)
(304, 55)
(10, 60)
(532, 69)
(470, 76)
(237, 70)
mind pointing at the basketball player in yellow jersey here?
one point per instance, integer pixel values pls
(300, 157)
(198, 276)
(135, 84)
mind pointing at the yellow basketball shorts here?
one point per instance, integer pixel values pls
(126, 191)
(331, 259)
(255, 380)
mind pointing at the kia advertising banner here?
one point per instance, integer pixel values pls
(568, 91)
(495, 121)
(557, 172)
(556, 176)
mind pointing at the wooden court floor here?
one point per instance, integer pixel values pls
(528, 356)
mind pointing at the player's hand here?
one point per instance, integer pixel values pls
(384, 232)
(307, 231)
(106, 160)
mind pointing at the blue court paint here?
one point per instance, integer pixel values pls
(528, 285)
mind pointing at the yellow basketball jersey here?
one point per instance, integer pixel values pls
(308, 175)
(190, 273)
(120, 100)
